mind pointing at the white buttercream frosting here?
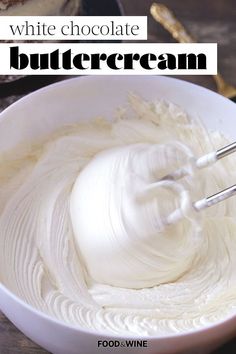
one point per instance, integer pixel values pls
(139, 277)
(118, 212)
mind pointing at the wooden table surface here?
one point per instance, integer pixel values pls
(209, 21)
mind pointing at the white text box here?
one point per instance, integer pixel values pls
(108, 59)
(73, 28)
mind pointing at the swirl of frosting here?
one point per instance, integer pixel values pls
(118, 216)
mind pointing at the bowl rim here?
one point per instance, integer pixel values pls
(208, 329)
(103, 335)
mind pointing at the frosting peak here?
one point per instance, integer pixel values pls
(120, 229)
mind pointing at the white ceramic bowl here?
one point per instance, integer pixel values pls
(82, 99)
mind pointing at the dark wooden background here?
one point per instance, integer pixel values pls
(208, 21)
